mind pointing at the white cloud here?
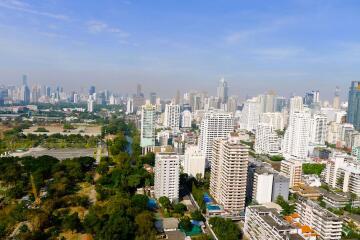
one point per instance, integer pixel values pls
(102, 27)
(26, 8)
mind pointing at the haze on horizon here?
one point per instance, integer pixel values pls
(287, 46)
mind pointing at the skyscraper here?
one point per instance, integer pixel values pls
(167, 176)
(222, 91)
(153, 98)
(92, 90)
(228, 176)
(172, 116)
(25, 91)
(353, 114)
(250, 115)
(147, 126)
(296, 139)
(215, 124)
(336, 101)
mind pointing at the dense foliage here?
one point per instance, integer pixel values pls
(313, 168)
(225, 229)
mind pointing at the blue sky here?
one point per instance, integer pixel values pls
(288, 46)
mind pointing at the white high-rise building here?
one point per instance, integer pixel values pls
(215, 124)
(263, 184)
(250, 115)
(296, 104)
(318, 129)
(276, 119)
(130, 106)
(147, 126)
(296, 139)
(266, 140)
(172, 116)
(267, 102)
(186, 119)
(167, 176)
(229, 174)
(90, 104)
(194, 161)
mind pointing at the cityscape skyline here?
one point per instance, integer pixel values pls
(185, 44)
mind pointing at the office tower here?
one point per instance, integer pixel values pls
(147, 126)
(153, 98)
(177, 97)
(112, 100)
(194, 161)
(336, 101)
(167, 176)
(353, 113)
(92, 90)
(296, 104)
(172, 116)
(25, 92)
(215, 124)
(48, 91)
(312, 98)
(90, 104)
(318, 129)
(76, 98)
(250, 115)
(138, 91)
(275, 119)
(262, 223)
(186, 119)
(280, 104)
(228, 176)
(267, 140)
(326, 224)
(129, 106)
(292, 169)
(222, 91)
(24, 80)
(267, 102)
(296, 139)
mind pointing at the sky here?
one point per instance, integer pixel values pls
(288, 46)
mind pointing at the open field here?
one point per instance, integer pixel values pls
(82, 129)
(57, 153)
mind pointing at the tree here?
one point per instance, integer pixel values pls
(287, 208)
(185, 224)
(313, 168)
(145, 226)
(197, 216)
(180, 208)
(165, 202)
(71, 222)
(225, 229)
(140, 201)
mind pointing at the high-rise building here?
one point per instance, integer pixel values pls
(353, 113)
(172, 116)
(318, 129)
(337, 101)
(326, 224)
(194, 161)
(147, 126)
(129, 106)
(267, 140)
(153, 98)
(25, 93)
(186, 119)
(222, 91)
(312, 98)
(167, 176)
(292, 169)
(228, 176)
(267, 102)
(92, 90)
(250, 115)
(215, 124)
(280, 104)
(262, 186)
(275, 119)
(296, 139)
(90, 104)
(296, 104)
